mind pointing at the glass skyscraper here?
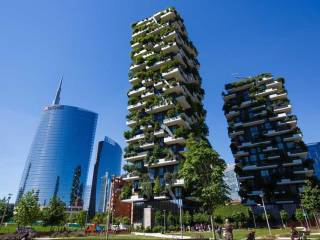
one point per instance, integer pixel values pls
(108, 164)
(59, 157)
(314, 153)
(230, 177)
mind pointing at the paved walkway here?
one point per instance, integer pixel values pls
(160, 235)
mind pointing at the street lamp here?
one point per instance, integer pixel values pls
(5, 209)
(265, 212)
(164, 221)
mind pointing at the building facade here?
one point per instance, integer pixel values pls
(314, 153)
(270, 155)
(230, 178)
(165, 106)
(117, 207)
(59, 157)
(108, 164)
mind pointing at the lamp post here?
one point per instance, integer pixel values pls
(254, 218)
(265, 212)
(5, 209)
(181, 225)
(164, 221)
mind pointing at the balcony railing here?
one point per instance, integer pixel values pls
(173, 140)
(135, 138)
(162, 163)
(136, 91)
(295, 137)
(139, 156)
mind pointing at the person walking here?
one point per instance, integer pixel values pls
(228, 230)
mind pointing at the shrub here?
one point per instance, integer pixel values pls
(157, 228)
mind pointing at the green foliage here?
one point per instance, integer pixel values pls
(187, 218)
(201, 218)
(99, 218)
(157, 187)
(170, 219)
(126, 191)
(158, 218)
(284, 216)
(54, 214)
(235, 213)
(310, 197)
(81, 218)
(299, 214)
(146, 189)
(157, 229)
(203, 171)
(27, 211)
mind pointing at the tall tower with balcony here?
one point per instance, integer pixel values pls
(165, 106)
(270, 155)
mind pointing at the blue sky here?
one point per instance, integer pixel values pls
(88, 42)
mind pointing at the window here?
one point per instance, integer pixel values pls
(254, 131)
(290, 145)
(264, 173)
(280, 145)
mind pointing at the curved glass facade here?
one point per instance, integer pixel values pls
(108, 161)
(60, 154)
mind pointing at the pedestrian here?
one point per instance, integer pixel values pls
(228, 230)
(251, 235)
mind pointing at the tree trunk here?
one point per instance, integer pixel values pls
(212, 226)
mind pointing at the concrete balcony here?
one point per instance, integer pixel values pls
(136, 92)
(161, 107)
(183, 102)
(250, 144)
(137, 44)
(137, 67)
(175, 73)
(160, 133)
(139, 156)
(270, 148)
(286, 109)
(171, 89)
(305, 171)
(255, 167)
(134, 80)
(241, 154)
(158, 85)
(142, 32)
(253, 123)
(229, 96)
(240, 88)
(271, 133)
(301, 154)
(235, 133)
(255, 193)
(173, 47)
(232, 114)
(130, 177)
(275, 84)
(289, 181)
(246, 104)
(178, 183)
(136, 138)
(133, 199)
(245, 178)
(273, 157)
(293, 163)
(168, 16)
(278, 117)
(147, 95)
(131, 123)
(173, 140)
(179, 120)
(136, 106)
(278, 96)
(238, 124)
(266, 92)
(162, 163)
(148, 82)
(147, 145)
(295, 137)
(143, 51)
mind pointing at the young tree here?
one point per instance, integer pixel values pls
(299, 215)
(170, 219)
(157, 187)
(203, 171)
(284, 217)
(98, 218)
(54, 214)
(158, 218)
(310, 199)
(187, 218)
(81, 218)
(27, 210)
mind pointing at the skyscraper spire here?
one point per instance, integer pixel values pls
(56, 100)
